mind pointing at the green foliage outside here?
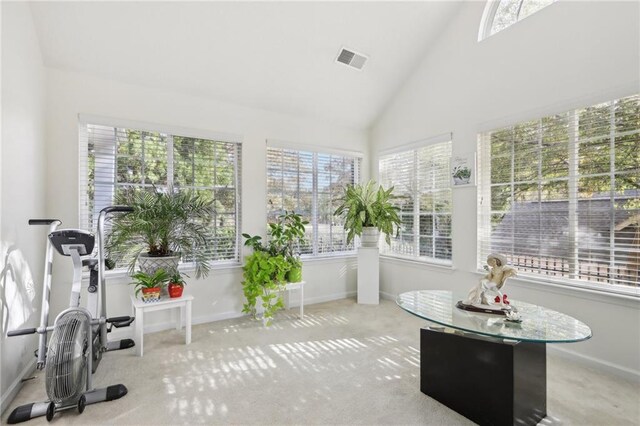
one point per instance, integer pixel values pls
(141, 163)
(535, 156)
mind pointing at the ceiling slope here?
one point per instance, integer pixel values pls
(277, 56)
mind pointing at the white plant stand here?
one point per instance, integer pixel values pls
(368, 276)
(296, 286)
(140, 308)
(288, 287)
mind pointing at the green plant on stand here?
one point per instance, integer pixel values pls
(264, 277)
(164, 224)
(271, 266)
(150, 285)
(368, 207)
(286, 235)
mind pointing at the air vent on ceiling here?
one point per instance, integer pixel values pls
(351, 58)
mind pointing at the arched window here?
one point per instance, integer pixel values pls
(500, 14)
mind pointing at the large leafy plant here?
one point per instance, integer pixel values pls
(368, 205)
(163, 223)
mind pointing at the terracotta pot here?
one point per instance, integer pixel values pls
(175, 290)
(151, 294)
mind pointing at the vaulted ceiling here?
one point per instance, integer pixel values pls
(277, 56)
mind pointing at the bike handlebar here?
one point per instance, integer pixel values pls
(21, 332)
(117, 209)
(42, 221)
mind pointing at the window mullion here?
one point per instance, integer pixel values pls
(574, 147)
(540, 132)
(612, 193)
(416, 205)
(170, 161)
(314, 205)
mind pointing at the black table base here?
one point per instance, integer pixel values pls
(489, 381)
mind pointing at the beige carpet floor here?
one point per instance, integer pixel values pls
(343, 364)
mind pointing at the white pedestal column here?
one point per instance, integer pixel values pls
(368, 276)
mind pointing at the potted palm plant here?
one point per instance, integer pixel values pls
(163, 227)
(367, 210)
(150, 285)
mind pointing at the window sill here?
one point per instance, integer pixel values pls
(328, 258)
(122, 274)
(440, 267)
(625, 298)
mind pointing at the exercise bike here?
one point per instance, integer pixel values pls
(78, 335)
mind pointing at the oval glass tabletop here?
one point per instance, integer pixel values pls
(538, 324)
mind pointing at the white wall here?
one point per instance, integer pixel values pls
(567, 55)
(220, 294)
(22, 170)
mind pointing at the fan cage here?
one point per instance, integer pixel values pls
(67, 359)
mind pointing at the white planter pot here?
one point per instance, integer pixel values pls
(150, 264)
(369, 237)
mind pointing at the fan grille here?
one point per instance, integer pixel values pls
(67, 358)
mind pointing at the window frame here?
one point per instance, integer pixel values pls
(315, 151)
(414, 147)
(484, 188)
(489, 14)
(171, 131)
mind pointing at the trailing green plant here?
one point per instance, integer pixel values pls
(265, 271)
(368, 205)
(163, 223)
(264, 277)
(158, 279)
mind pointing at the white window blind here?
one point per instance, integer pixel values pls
(560, 196)
(422, 191)
(114, 159)
(309, 183)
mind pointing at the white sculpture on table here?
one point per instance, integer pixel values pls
(491, 284)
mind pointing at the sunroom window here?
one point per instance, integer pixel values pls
(420, 178)
(560, 196)
(310, 182)
(114, 159)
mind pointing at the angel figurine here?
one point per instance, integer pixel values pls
(492, 283)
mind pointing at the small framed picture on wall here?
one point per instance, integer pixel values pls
(463, 169)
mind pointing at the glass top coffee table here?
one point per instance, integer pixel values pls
(538, 324)
(489, 369)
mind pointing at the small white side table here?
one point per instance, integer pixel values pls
(140, 307)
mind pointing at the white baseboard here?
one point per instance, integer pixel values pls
(387, 296)
(596, 363)
(560, 351)
(15, 387)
